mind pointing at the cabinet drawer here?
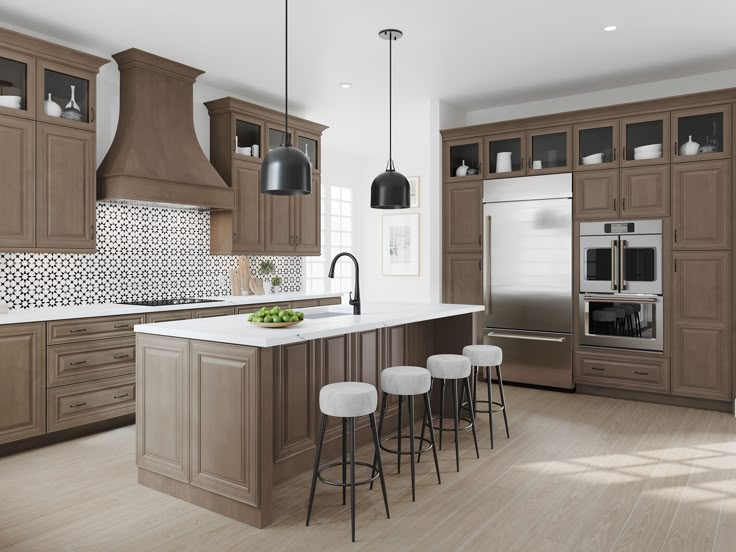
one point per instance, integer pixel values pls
(213, 312)
(84, 403)
(85, 329)
(330, 301)
(623, 371)
(305, 304)
(247, 309)
(80, 362)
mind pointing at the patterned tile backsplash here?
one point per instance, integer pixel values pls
(142, 253)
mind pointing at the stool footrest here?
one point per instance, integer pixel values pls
(498, 405)
(396, 437)
(452, 421)
(347, 483)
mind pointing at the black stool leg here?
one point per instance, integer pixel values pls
(352, 476)
(376, 444)
(322, 425)
(475, 391)
(466, 382)
(421, 438)
(457, 434)
(411, 446)
(428, 420)
(376, 458)
(490, 401)
(344, 456)
(503, 399)
(398, 455)
(442, 409)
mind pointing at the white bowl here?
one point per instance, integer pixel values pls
(10, 101)
(594, 159)
(648, 148)
(647, 155)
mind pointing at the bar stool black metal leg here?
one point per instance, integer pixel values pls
(421, 438)
(442, 410)
(411, 446)
(503, 399)
(490, 401)
(466, 383)
(352, 476)
(428, 420)
(455, 412)
(376, 444)
(376, 458)
(344, 456)
(398, 455)
(317, 458)
(475, 390)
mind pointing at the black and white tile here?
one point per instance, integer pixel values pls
(142, 253)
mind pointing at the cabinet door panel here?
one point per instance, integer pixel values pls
(593, 138)
(23, 376)
(463, 279)
(279, 226)
(645, 191)
(17, 182)
(463, 216)
(709, 126)
(550, 146)
(225, 406)
(295, 406)
(596, 194)
(308, 223)
(249, 208)
(335, 367)
(701, 205)
(367, 363)
(65, 188)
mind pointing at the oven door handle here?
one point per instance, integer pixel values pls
(527, 337)
(614, 243)
(621, 265)
(618, 299)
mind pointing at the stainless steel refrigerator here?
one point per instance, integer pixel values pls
(527, 277)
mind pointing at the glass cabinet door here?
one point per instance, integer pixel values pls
(506, 154)
(247, 142)
(549, 151)
(645, 140)
(462, 160)
(703, 133)
(66, 96)
(309, 145)
(17, 77)
(595, 145)
(275, 138)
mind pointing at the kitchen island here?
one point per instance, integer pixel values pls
(225, 410)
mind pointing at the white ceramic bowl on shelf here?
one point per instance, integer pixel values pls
(648, 148)
(10, 101)
(595, 159)
(647, 155)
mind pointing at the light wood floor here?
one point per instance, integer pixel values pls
(579, 473)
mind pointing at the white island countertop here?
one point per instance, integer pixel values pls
(46, 314)
(236, 330)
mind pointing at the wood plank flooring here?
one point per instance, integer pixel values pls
(580, 473)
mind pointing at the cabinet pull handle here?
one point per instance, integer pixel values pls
(480, 267)
(120, 356)
(480, 239)
(93, 230)
(614, 154)
(598, 369)
(675, 265)
(92, 117)
(79, 362)
(623, 152)
(77, 405)
(522, 163)
(120, 396)
(614, 203)
(675, 152)
(78, 330)
(641, 373)
(675, 235)
(121, 326)
(529, 162)
(623, 203)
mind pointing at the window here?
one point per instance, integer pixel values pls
(337, 236)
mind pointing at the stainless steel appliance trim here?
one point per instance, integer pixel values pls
(530, 338)
(598, 228)
(486, 272)
(618, 299)
(622, 264)
(548, 186)
(613, 265)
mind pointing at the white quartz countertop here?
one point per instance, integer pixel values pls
(20, 316)
(236, 330)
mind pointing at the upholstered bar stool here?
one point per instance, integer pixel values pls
(409, 382)
(453, 368)
(488, 356)
(348, 400)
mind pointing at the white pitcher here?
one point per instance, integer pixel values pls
(503, 162)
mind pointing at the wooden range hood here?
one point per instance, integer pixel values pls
(155, 156)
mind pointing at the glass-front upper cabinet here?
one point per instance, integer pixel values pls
(645, 140)
(702, 133)
(17, 79)
(595, 145)
(309, 144)
(66, 95)
(247, 142)
(549, 151)
(506, 154)
(462, 160)
(275, 137)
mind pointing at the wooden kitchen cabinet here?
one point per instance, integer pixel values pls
(701, 324)
(242, 229)
(65, 189)
(622, 370)
(334, 359)
(645, 191)
(455, 153)
(17, 182)
(463, 276)
(23, 377)
(701, 205)
(709, 126)
(592, 138)
(596, 194)
(513, 143)
(551, 146)
(18, 69)
(308, 211)
(463, 212)
(644, 130)
(280, 213)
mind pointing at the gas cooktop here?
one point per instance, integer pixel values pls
(170, 302)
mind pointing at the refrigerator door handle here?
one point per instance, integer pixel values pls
(486, 272)
(527, 337)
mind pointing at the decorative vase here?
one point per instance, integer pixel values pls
(277, 289)
(462, 170)
(51, 108)
(503, 162)
(689, 147)
(72, 111)
(267, 287)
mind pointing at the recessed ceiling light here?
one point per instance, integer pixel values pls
(345, 85)
(609, 28)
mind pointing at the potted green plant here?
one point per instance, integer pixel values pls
(276, 282)
(267, 268)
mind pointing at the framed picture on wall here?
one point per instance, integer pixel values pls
(401, 245)
(413, 192)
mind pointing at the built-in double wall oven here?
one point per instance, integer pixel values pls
(621, 303)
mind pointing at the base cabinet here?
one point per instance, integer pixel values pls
(23, 377)
(17, 181)
(463, 282)
(623, 371)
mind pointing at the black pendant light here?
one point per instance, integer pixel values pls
(390, 189)
(286, 170)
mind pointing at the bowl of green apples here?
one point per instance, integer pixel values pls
(275, 317)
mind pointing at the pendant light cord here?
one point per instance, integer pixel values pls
(390, 103)
(286, 141)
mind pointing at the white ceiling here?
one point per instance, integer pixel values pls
(473, 54)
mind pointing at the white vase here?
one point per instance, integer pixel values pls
(503, 162)
(51, 108)
(462, 170)
(267, 287)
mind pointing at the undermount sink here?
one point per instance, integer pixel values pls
(327, 314)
